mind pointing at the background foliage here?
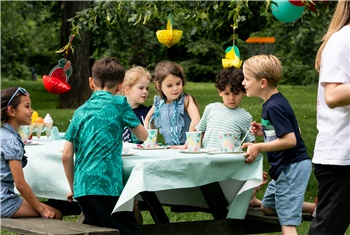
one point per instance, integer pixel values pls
(30, 35)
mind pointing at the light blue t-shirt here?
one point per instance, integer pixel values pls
(219, 118)
(96, 132)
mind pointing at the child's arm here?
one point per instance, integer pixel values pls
(68, 165)
(140, 132)
(193, 112)
(286, 141)
(26, 192)
(147, 123)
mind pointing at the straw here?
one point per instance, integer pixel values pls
(143, 120)
(250, 128)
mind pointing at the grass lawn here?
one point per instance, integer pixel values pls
(302, 99)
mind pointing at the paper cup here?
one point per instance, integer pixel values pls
(193, 141)
(126, 148)
(152, 138)
(228, 140)
(24, 133)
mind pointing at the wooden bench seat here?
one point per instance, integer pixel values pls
(51, 226)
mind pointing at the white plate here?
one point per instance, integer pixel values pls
(194, 152)
(128, 154)
(220, 152)
(158, 147)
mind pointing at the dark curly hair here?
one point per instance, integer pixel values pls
(230, 76)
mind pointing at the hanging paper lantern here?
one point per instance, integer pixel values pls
(286, 12)
(169, 37)
(57, 81)
(232, 58)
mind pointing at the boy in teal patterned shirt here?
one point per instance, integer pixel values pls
(94, 136)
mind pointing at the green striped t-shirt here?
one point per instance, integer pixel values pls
(219, 118)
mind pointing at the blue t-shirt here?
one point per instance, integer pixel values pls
(141, 112)
(277, 120)
(96, 132)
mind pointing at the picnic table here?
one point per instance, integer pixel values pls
(219, 183)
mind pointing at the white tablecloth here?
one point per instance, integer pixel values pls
(174, 176)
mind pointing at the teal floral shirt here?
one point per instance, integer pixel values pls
(96, 132)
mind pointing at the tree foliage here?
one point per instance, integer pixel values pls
(29, 37)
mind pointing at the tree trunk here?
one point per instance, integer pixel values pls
(80, 90)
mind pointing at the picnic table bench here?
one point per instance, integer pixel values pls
(52, 226)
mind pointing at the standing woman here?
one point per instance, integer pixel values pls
(332, 149)
(16, 110)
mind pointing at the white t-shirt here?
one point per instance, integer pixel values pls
(219, 118)
(333, 140)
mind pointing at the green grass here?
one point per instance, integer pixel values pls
(302, 99)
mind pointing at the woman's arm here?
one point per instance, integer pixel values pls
(337, 94)
(147, 123)
(193, 112)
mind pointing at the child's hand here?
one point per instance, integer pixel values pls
(252, 152)
(70, 196)
(256, 129)
(177, 146)
(47, 214)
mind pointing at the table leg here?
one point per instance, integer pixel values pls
(215, 199)
(155, 208)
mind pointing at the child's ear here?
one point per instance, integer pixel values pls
(119, 88)
(263, 83)
(157, 85)
(10, 111)
(91, 83)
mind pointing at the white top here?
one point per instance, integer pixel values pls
(333, 140)
(219, 118)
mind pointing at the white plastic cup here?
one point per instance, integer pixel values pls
(152, 138)
(228, 140)
(193, 141)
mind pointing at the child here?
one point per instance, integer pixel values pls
(95, 175)
(173, 112)
(135, 88)
(231, 90)
(16, 111)
(286, 153)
